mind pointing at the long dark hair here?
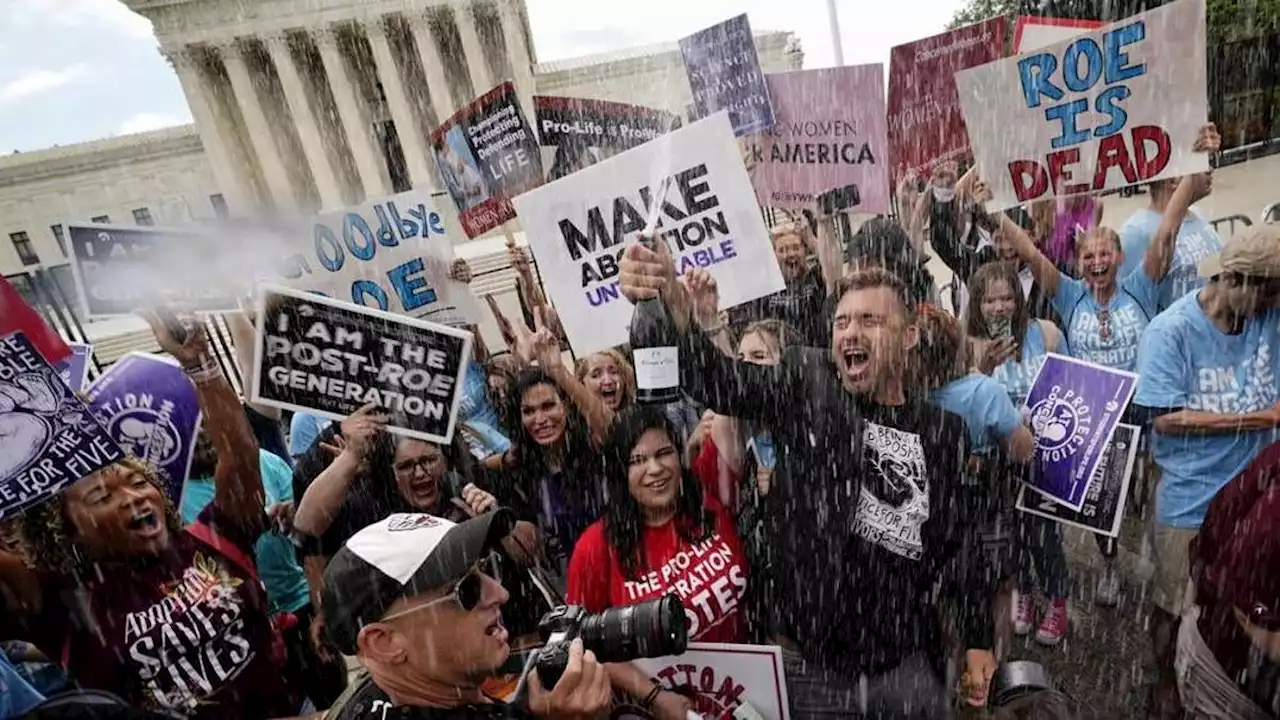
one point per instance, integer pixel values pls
(623, 525)
(975, 324)
(528, 459)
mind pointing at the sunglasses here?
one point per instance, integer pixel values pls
(467, 592)
(1104, 325)
(1263, 617)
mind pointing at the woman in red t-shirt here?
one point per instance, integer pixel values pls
(658, 537)
(171, 619)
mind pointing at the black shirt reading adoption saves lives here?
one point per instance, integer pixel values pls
(865, 520)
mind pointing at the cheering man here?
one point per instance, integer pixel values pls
(861, 529)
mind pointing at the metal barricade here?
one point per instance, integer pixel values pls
(1233, 219)
(1270, 214)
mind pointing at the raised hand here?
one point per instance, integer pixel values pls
(704, 295)
(360, 426)
(460, 270)
(188, 353)
(1207, 139)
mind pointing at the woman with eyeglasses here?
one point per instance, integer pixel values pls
(658, 536)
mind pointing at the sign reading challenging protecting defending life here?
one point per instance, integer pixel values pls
(330, 358)
(487, 154)
(580, 225)
(152, 410)
(1110, 108)
(830, 134)
(48, 438)
(1074, 409)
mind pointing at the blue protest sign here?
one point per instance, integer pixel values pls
(1074, 407)
(48, 438)
(151, 409)
(75, 369)
(724, 74)
(120, 269)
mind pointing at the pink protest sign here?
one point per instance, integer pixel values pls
(830, 134)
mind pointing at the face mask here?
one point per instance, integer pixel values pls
(944, 195)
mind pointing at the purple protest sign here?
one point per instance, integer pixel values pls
(75, 369)
(724, 74)
(150, 408)
(1074, 408)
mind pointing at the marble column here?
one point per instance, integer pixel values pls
(255, 121)
(432, 66)
(295, 94)
(477, 63)
(521, 59)
(234, 183)
(408, 129)
(356, 124)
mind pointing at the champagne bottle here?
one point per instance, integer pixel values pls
(654, 348)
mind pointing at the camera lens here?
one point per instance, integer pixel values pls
(653, 628)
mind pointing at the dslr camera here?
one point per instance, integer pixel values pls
(654, 628)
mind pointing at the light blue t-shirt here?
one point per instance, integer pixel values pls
(16, 694)
(984, 404)
(1187, 362)
(304, 428)
(484, 436)
(1016, 376)
(1196, 240)
(274, 555)
(1130, 309)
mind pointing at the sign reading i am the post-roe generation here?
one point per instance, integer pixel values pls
(330, 358)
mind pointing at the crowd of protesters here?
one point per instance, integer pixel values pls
(841, 467)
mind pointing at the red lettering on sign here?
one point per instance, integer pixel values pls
(1140, 154)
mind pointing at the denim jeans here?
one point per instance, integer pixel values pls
(1040, 548)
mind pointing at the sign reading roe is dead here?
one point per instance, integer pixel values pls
(1117, 106)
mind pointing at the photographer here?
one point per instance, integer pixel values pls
(415, 598)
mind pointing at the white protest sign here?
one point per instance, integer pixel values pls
(1117, 106)
(579, 226)
(723, 676)
(392, 254)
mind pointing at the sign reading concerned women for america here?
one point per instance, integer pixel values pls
(580, 225)
(330, 358)
(1110, 108)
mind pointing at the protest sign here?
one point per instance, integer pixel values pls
(1103, 507)
(1074, 408)
(585, 131)
(392, 254)
(151, 409)
(580, 225)
(724, 74)
(1114, 107)
(830, 133)
(720, 677)
(74, 370)
(17, 316)
(926, 125)
(48, 438)
(330, 358)
(1032, 33)
(487, 154)
(120, 269)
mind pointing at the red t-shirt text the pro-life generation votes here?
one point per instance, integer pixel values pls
(708, 575)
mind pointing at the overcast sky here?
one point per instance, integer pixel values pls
(77, 70)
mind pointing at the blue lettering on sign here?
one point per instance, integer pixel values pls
(1083, 64)
(331, 259)
(354, 222)
(361, 289)
(410, 285)
(386, 231)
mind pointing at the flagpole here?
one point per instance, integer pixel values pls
(833, 19)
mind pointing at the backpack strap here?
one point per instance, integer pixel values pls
(210, 537)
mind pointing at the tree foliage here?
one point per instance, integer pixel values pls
(1226, 19)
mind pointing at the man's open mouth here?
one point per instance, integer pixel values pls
(145, 524)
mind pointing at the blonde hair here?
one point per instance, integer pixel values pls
(584, 364)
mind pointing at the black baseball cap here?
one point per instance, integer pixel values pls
(400, 556)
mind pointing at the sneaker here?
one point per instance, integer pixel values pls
(1053, 626)
(1024, 611)
(1107, 594)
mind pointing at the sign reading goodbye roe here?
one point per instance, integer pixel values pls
(1110, 108)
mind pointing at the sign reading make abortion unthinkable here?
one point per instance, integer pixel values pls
(1074, 408)
(1114, 107)
(151, 409)
(392, 254)
(120, 269)
(48, 438)
(925, 122)
(830, 133)
(487, 154)
(724, 74)
(580, 225)
(1103, 508)
(330, 358)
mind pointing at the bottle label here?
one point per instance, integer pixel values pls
(657, 368)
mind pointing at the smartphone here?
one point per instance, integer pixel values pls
(171, 323)
(839, 199)
(1000, 327)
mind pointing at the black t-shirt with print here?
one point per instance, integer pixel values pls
(369, 702)
(800, 305)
